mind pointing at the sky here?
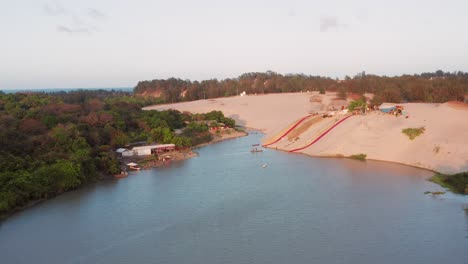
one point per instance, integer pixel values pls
(112, 43)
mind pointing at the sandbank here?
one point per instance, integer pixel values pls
(443, 146)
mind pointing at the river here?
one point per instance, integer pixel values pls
(223, 207)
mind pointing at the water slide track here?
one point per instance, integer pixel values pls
(289, 130)
(322, 135)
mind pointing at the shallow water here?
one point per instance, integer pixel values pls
(223, 207)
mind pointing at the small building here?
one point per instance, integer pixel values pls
(123, 152)
(127, 153)
(387, 107)
(218, 126)
(163, 148)
(152, 149)
(120, 151)
(393, 109)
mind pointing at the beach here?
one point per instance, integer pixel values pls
(443, 147)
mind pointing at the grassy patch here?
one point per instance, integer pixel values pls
(457, 183)
(361, 157)
(412, 133)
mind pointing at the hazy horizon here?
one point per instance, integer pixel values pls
(192, 80)
(92, 44)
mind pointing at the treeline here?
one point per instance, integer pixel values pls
(51, 143)
(434, 87)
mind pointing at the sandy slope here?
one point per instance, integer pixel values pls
(443, 146)
(271, 113)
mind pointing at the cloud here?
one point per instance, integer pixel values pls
(74, 21)
(54, 9)
(74, 30)
(95, 13)
(329, 23)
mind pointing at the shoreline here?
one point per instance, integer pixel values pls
(189, 154)
(340, 156)
(33, 203)
(233, 135)
(441, 148)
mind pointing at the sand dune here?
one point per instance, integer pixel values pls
(270, 113)
(442, 147)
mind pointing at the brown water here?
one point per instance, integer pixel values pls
(223, 207)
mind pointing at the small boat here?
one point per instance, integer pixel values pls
(264, 165)
(255, 145)
(256, 150)
(133, 166)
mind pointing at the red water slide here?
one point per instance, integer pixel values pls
(289, 130)
(322, 135)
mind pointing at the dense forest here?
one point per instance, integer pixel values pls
(51, 143)
(434, 87)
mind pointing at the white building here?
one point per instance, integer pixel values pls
(148, 150)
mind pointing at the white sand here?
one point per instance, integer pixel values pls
(270, 113)
(442, 147)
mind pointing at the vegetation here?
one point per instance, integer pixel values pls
(52, 143)
(436, 87)
(361, 157)
(434, 193)
(457, 183)
(412, 133)
(357, 104)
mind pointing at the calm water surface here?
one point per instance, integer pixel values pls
(223, 207)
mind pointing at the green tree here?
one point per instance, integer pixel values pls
(60, 176)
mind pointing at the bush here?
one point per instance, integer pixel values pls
(412, 133)
(361, 157)
(357, 103)
(457, 183)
